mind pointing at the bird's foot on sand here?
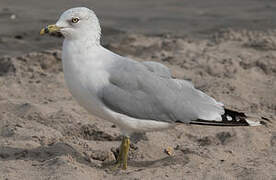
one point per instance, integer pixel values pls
(123, 154)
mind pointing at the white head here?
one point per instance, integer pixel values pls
(77, 23)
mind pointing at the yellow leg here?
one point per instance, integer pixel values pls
(123, 154)
(125, 151)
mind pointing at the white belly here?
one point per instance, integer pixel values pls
(83, 89)
(128, 124)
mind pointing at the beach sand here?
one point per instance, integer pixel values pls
(45, 134)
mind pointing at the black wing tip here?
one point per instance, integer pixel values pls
(218, 123)
(229, 118)
(234, 117)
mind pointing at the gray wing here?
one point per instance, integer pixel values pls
(158, 68)
(137, 92)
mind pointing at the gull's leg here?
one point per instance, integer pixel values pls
(126, 143)
(123, 154)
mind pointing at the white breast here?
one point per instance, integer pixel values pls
(84, 79)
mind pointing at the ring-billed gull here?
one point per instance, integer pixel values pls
(136, 96)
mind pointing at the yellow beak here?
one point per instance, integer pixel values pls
(50, 29)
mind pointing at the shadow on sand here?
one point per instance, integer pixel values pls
(43, 154)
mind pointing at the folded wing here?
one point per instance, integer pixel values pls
(140, 93)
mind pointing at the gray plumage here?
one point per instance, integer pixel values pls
(147, 91)
(158, 69)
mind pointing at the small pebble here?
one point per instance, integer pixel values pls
(169, 151)
(13, 16)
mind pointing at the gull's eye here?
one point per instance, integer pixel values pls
(75, 20)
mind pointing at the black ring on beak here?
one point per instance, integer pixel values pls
(46, 30)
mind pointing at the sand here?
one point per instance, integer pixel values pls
(45, 134)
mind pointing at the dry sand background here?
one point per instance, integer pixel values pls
(45, 134)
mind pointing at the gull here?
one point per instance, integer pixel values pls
(136, 96)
